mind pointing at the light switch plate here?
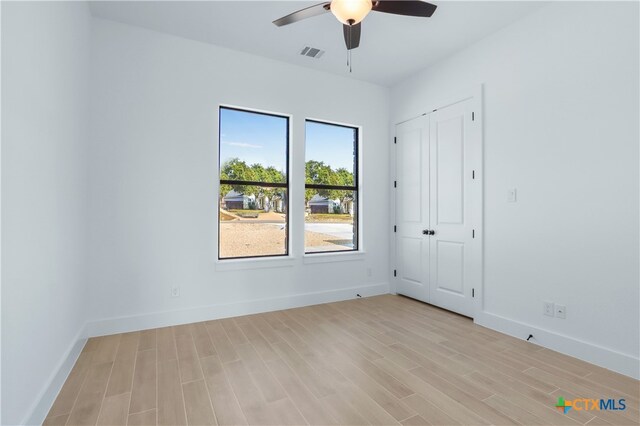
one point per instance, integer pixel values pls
(561, 311)
(512, 195)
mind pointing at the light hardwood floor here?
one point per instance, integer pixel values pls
(381, 360)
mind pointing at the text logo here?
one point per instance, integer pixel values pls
(589, 404)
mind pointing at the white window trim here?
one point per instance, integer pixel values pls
(347, 256)
(290, 260)
(255, 263)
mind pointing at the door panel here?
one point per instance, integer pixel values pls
(411, 267)
(449, 162)
(412, 207)
(410, 174)
(450, 181)
(449, 265)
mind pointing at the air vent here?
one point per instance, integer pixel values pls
(312, 52)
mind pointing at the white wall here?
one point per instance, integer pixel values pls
(560, 125)
(153, 179)
(45, 58)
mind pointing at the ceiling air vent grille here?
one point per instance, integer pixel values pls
(312, 52)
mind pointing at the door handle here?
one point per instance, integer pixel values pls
(428, 232)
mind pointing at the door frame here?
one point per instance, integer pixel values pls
(477, 203)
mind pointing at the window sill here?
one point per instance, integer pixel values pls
(254, 263)
(334, 257)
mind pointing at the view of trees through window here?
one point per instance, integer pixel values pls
(253, 204)
(253, 218)
(330, 187)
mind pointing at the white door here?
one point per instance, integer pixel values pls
(451, 245)
(436, 251)
(412, 211)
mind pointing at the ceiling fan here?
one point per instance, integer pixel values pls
(351, 13)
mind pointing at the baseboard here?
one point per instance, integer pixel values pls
(595, 354)
(212, 312)
(50, 391)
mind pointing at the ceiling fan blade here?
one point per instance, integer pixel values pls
(305, 13)
(352, 35)
(407, 8)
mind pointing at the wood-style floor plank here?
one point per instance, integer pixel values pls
(187, 355)
(224, 401)
(249, 396)
(170, 400)
(122, 373)
(147, 340)
(115, 410)
(236, 337)
(381, 360)
(107, 349)
(302, 397)
(166, 344)
(221, 342)
(197, 404)
(429, 411)
(144, 387)
(146, 418)
(268, 385)
(202, 341)
(342, 410)
(87, 406)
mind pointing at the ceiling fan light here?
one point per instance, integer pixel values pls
(351, 12)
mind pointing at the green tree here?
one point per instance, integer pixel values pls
(316, 172)
(236, 169)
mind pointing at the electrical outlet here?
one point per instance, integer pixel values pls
(561, 311)
(549, 309)
(175, 291)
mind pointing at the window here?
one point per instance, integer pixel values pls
(331, 188)
(254, 184)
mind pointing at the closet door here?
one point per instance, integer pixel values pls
(450, 180)
(436, 253)
(412, 208)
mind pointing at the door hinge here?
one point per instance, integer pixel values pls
(473, 233)
(473, 292)
(395, 140)
(395, 273)
(395, 183)
(473, 116)
(395, 228)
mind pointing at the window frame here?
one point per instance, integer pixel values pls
(286, 185)
(355, 188)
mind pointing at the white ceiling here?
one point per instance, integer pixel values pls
(391, 47)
